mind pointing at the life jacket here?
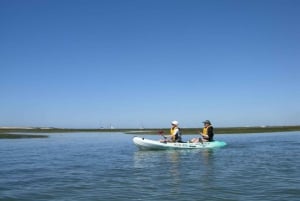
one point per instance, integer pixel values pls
(205, 129)
(176, 137)
(205, 132)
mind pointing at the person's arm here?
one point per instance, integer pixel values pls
(202, 134)
(210, 132)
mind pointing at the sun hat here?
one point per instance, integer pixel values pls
(206, 122)
(175, 123)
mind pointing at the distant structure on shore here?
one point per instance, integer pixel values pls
(110, 126)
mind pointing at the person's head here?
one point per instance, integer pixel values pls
(174, 123)
(206, 123)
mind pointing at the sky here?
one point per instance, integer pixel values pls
(144, 63)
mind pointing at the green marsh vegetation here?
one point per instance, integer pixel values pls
(15, 133)
(227, 130)
(18, 136)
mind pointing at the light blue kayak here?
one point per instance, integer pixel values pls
(143, 143)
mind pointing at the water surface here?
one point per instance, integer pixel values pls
(95, 166)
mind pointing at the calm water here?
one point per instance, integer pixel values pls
(91, 166)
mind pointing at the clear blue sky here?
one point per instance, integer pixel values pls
(145, 63)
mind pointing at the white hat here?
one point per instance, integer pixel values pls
(175, 123)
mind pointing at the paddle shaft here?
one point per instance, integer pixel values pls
(161, 133)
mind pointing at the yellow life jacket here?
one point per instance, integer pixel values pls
(173, 134)
(205, 130)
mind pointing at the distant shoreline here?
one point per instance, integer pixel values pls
(28, 132)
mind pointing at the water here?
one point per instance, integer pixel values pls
(93, 166)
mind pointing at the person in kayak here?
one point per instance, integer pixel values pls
(207, 134)
(175, 133)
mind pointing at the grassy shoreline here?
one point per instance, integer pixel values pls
(9, 133)
(229, 130)
(19, 136)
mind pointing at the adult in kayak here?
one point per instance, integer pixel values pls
(207, 134)
(175, 133)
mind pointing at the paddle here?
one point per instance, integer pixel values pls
(165, 138)
(161, 133)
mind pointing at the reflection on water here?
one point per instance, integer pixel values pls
(144, 158)
(177, 167)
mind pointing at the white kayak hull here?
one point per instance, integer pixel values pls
(143, 143)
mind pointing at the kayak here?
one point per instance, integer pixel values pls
(143, 143)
